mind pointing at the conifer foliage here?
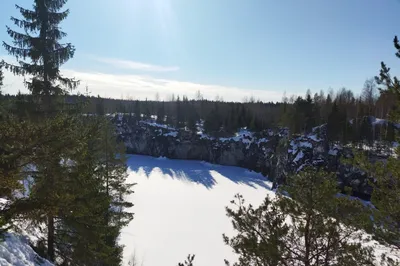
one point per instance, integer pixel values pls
(76, 169)
(188, 261)
(386, 175)
(41, 44)
(17, 142)
(310, 228)
(1, 75)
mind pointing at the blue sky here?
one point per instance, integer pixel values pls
(233, 48)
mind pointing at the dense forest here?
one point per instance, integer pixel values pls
(350, 117)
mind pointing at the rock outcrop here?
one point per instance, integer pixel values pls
(270, 152)
(253, 151)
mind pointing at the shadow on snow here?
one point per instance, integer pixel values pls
(196, 171)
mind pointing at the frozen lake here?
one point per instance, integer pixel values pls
(180, 209)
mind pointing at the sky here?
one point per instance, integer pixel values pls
(233, 49)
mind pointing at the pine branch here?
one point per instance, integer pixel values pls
(27, 14)
(21, 40)
(27, 25)
(16, 70)
(62, 55)
(397, 46)
(56, 18)
(68, 82)
(18, 52)
(56, 4)
(56, 33)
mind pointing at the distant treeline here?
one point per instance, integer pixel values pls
(348, 116)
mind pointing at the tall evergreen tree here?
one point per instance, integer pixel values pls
(112, 171)
(146, 110)
(78, 176)
(161, 113)
(212, 123)
(50, 177)
(100, 106)
(41, 44)
(97, 209)
(138, 110)
(334, 123)
(310, 115)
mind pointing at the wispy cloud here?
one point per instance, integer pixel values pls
(125, 64)
(142, 87)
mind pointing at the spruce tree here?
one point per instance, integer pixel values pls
(334, 123)
(299, 116)
(146, 107)
(138, 110)
(310, 116)
(40, 43)
(111, 171)
(161, 113)
(84, 206)
(191, 116)
(78, 184)
(212, 123)
(97, 209)
(100, 106)
(49, 186)
(252, 123)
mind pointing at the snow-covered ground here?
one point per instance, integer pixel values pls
(180, 209)
(15, 251)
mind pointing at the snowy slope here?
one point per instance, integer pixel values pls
(180, 209)
(15, 251)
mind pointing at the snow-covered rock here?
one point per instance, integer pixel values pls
(256, 151)
(16, 251)
(245, 149)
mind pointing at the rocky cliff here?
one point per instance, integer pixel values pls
(246, 149)
(269, 152)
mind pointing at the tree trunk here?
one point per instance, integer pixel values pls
(307, 242)
(50, 238)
